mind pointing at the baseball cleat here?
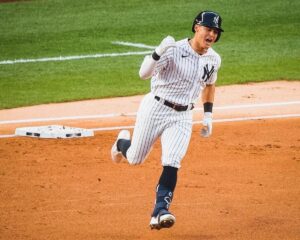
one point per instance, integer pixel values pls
(117, 155)
(164, 219)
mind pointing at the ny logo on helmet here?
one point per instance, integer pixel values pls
(207, 73)
(216, 20)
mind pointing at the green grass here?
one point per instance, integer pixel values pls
(261, 42)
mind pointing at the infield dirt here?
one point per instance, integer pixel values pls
(241, 183)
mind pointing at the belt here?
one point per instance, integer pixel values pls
(176, 107)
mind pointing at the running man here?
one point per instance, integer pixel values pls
(179, 71)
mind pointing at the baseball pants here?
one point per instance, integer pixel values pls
(155, 120)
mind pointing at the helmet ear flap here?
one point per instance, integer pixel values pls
(194, 24)
(193, 27)
(218, 37)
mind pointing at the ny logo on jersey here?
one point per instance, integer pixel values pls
(207, 73)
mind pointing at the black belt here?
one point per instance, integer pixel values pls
(178, 108)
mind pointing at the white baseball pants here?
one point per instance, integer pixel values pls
(156, 120)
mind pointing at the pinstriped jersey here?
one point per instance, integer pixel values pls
(181, 73)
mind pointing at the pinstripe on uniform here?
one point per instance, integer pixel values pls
(179, 77)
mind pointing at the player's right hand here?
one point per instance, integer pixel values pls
(206, 131)
(165, 44)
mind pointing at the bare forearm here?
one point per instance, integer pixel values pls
(208, 94)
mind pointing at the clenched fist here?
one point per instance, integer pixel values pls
(165, 44)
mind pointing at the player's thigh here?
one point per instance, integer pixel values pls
(175, 141)
(147, 129)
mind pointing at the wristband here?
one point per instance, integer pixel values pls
(155, 56)
(208, 106)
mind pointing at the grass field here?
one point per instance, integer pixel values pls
(260, 43)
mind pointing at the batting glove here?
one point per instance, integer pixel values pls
(165, 44)
(206, 131)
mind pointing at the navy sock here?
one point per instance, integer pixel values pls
(168, 177)
(123, 145)
(165, 189)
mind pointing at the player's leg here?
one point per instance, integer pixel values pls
(161, 217)
(120, 146)
(175, 141)
(147, 129)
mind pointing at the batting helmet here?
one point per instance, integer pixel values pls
(209, 19)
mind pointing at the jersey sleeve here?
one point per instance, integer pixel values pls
(164, 61)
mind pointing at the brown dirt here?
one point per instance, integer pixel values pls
(242, 183)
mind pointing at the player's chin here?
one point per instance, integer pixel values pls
(206, 46)
(208, 43)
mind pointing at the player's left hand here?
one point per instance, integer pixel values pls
(206, 131)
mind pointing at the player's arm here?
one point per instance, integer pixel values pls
(150, 62)
(208, 96)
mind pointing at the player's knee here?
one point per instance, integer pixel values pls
(172, 162)
(136, 157)
(134, 160)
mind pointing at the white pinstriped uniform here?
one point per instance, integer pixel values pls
(179, 77)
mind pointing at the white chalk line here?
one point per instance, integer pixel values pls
(239, 119)
(68, 58)
(130, 44)
(110, 115)
(275, 104)
(7, 136)
(98, 55)
(215, 121)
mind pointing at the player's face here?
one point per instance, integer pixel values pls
(205, 36)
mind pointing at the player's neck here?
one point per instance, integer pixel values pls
(196, 47)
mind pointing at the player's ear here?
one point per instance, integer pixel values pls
(196, 28)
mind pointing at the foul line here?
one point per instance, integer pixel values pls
(51, 59)
(67, 118)
(194, 122)
(138, 45)
(275, 104)
(215, 121)
(134, 113)
(99, 55)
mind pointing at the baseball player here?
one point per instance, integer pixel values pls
(179, 72)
